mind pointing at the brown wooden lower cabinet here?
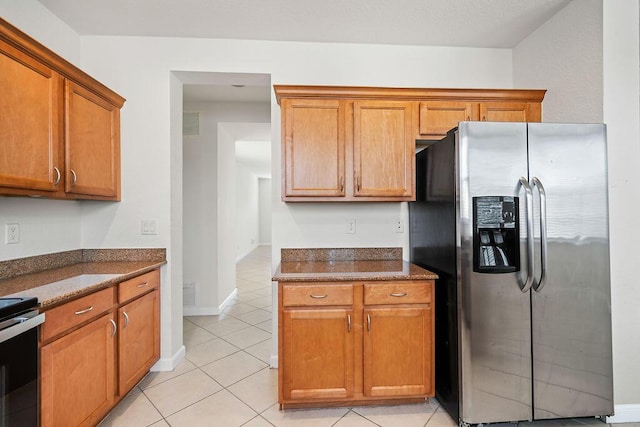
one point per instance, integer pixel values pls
(96, 348)
(365, 343)
(78, 375)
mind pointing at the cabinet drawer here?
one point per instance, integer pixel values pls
(73, 313)
(398, 293)
(313, 295)
(138, 285)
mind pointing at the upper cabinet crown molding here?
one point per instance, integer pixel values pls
(407, 94)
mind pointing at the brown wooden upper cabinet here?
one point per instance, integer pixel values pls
(358, 143)
(59, 127)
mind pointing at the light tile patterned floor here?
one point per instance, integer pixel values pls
(225, 379)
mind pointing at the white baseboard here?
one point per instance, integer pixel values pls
(169, 363)
(228, 300)
(194, 310)
(625, 414)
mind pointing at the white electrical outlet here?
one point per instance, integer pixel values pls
(12, 233)
(351, 226)
(399, 226)
(149, 226)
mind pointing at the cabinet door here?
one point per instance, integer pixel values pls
(139, 339)
(78, 375)
(92, 143)
(30, 122)
(317, 353)
(313, 151)
(437, 117)
(383, 149)
(506, 112)
(398, 351)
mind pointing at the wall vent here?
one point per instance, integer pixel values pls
(190, 123)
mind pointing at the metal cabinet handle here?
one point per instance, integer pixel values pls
(538, 285)
(484, 118)
(468, 118)
(348, 323)
(126, 319)
(86, 310)
(142, 285)
(74, 177)
(358, 184)
(341, 184)
(318, 296)
(526, 285)
(398, 294)
(58, 176)
(115, 328)
(368, 322)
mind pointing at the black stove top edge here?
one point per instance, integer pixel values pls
(11, 306)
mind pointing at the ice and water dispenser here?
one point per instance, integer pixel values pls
(496, 246)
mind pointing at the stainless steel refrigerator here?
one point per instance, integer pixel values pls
(514, 219)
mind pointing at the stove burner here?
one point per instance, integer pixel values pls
(10, 307)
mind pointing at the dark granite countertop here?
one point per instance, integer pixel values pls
(366, 264)
(57, 278)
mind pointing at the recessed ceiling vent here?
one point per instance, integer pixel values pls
(190, 123)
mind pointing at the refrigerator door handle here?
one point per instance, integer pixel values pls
(524, 287)
(539, 284)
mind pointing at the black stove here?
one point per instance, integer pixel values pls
(10, 307)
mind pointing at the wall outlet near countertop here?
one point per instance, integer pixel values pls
(12, 233)
(351, 226)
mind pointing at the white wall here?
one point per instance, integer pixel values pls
(564, 56)
(622, 116)
(247, 210)
(264, 208)
(210, 201)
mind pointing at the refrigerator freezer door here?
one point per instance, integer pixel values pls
(571, 313)
(494, 314)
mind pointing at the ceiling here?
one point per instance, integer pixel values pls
(471, 23)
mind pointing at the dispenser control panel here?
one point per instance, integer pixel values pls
(496, 247)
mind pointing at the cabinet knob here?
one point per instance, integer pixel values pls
(74, 177)
(58, 176)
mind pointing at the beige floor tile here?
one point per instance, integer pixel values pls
(233, 368)
(180, 392)
(258, 422)
(303, 417)
(201, 320)
(239, 308)
(134, 410)
(256, 316)
(259, 391)
(398, 415)
(266, 291)
(247, 296)
(262, 351)
(354, 420)
(196, 335)
(210, 351)
(247, 337)
(161, 423)
(226, 326)
(260, 302)
(220, 409)
(267, 325)
(441, 418)
(155, 378)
